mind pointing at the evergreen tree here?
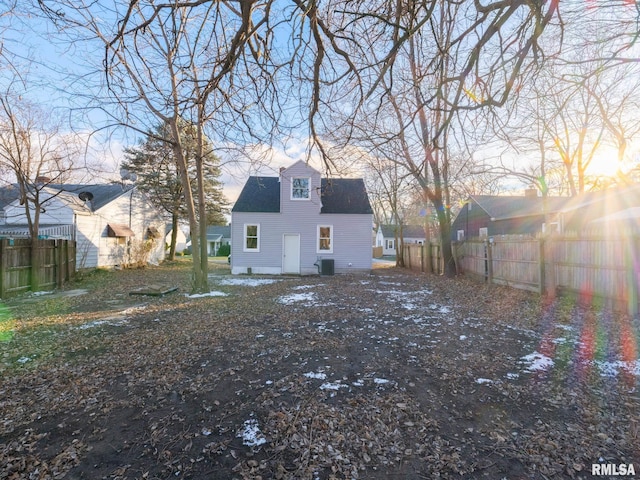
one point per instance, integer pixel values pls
(153, 162)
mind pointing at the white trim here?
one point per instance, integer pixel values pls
(318, 249)
(308, 197)
(244, 237)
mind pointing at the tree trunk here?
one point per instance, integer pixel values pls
(35, 264)
(174, 235)
(199, 281)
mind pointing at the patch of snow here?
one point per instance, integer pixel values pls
(305, 287)
(319, 375)
(212, 293)
(39, 294)
(23, 360)
(612, 369)
(247, 282)
(115, 321)
(381, 381)
(483, 381)
(512, 376)
(251, 434)
(463, 337)
(259, 336)
(564, 327)
(559, 341)
(332, 386)
(358, 383)
(297, 297)
(206, 432)
(537, 362)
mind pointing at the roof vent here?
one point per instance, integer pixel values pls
(85, 196)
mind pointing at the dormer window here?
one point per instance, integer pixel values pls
(300, 188)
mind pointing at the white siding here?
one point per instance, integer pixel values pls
(351, 232)
(134, 210)
(88, 231)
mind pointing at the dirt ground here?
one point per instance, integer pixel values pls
(381, 376)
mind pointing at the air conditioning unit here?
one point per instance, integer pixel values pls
(327, 266)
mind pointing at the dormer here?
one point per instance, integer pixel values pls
(300, 189)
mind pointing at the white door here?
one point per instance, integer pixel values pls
(291, 254)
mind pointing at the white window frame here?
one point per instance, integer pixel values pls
(483, 232)
(390, 244)
(246, 237)
(319, 238)
(308, 197)
(460, 235)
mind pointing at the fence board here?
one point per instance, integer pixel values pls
(56, 259)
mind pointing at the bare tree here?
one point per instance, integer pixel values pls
(448, 60)
(34, 153)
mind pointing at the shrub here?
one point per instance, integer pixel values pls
(224, 251)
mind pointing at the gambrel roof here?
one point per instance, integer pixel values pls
(338, 195)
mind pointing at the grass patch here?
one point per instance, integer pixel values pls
(7, 323)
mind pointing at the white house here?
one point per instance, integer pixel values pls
(112, 224)
(301, 223)
(387, 235)
(217, 236)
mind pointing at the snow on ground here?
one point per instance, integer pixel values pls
(244, 282)
(536, 362)
(212, 293)
(251, 434)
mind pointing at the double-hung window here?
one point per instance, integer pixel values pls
(325, 238)
(300, 188)
(251, 237)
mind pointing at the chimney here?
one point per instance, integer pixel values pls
(531, 192)
(42, 180)
(282, 169)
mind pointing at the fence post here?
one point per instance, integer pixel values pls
(632, 276)
(541, 265)
(58, 262)
(3, 267)
(489, 261)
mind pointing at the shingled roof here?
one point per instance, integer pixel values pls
(503, 207)
(338, 195)
(100, 194)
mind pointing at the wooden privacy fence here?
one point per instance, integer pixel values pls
(56, 260)
(607, 267)
(424, 258)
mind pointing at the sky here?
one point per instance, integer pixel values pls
(50, 68)
(46, 73)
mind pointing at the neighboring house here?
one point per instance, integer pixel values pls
(387, 235)
(489, 215)
(217, 235)
(112, 224)
(296, 221)
(181, 238)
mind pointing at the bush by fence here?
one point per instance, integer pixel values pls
(607, 267)
(56, 265)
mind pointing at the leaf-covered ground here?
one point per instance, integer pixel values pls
(388, 375)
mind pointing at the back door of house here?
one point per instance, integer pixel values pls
(291, 254)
